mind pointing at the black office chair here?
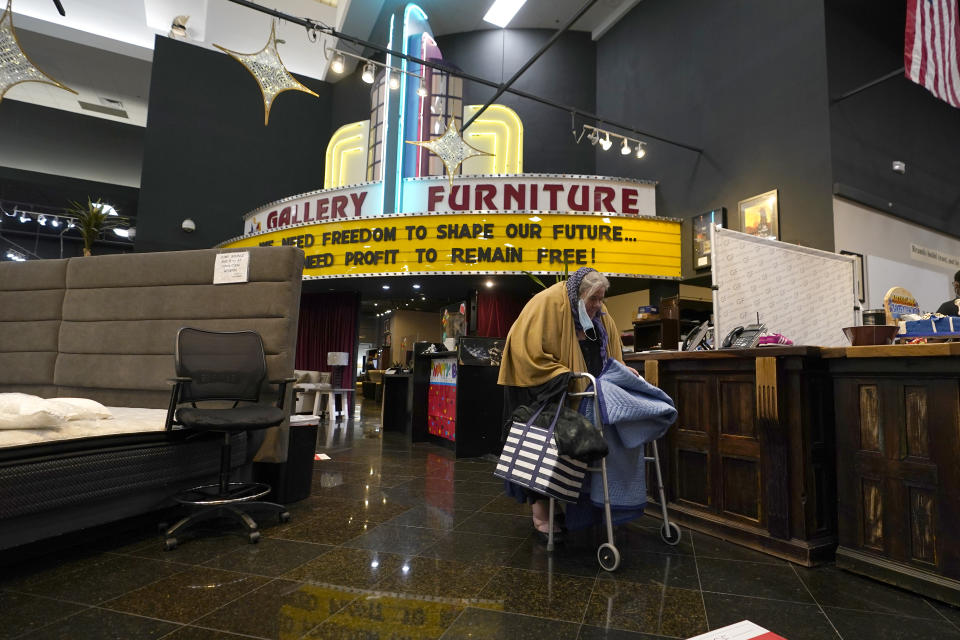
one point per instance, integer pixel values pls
(222, 367)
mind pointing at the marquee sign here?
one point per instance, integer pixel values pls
(501, 193)
(530, 192)
(481, 242)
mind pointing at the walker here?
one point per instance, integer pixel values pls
(607, 554)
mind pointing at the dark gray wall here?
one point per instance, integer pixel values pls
(61, 143)
(564, 74)
(208, 155)
(746, 81)
(894, 120)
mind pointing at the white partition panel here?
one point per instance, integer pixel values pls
(805, 294)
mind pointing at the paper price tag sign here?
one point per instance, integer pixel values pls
(231, 267)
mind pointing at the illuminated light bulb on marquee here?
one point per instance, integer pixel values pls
(15, 66)
(267, 69)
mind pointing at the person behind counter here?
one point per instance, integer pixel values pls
(952, 307)
(563, 329)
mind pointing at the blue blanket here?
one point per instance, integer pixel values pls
(633, 412)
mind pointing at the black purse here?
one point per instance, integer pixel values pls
(575, 436)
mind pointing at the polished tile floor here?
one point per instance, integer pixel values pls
(403, 542)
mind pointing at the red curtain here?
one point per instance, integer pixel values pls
(328, 322)
(496, 313)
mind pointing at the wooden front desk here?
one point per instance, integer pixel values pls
(751, 457)
(898, 446)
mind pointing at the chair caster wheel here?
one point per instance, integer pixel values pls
(169, 544)
(284, 517)
(608, 556)
(254, 537)
(670, 535)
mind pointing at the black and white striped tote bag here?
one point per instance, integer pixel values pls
(530, 459)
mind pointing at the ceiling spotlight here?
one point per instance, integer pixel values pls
(24, 217)
(108, 209)
(605, 143)
(42, 220)
(336, 65)
(394, 82)
(625, 149)
(489, 283)
(416, 286)
(641, 150)
(422, 91)
(386, 286)
(368, 72)
(593, 137)
(55, 222)
(71, 224)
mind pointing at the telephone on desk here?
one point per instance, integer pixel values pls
(744, 337)
(698, 339)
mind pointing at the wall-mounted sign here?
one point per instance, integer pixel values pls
(934, 256)
(444, 244)
(510, 193)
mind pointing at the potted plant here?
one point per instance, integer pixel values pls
(92, 219)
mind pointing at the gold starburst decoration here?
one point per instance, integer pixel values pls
(451, 148)
(15, 66)
(267, 69)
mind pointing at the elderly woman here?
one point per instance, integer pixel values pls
(562, 329)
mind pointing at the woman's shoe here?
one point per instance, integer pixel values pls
(542, 529)
(542, 536)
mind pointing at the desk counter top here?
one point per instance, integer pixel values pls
(895, 351)
(939, 349)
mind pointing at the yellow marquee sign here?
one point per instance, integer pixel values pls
(621, 245)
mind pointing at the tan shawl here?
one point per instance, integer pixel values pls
(542, 343)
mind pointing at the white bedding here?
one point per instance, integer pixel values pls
(124, 420)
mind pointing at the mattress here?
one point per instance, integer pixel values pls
(125, 420)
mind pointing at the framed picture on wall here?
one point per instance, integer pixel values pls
(759, 215)
(857, 273)
(701, 235)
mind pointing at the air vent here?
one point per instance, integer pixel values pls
(107, 106)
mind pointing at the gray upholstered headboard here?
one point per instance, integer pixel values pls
(31, 299)
(120, 315)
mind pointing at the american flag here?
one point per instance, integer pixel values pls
(931, 47)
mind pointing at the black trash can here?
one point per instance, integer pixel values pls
(290, 481)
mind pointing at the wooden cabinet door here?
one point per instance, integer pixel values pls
(897, 469)
(690, 447)
(714, 447)
(736, 448)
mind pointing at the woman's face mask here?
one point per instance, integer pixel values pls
(586, 322)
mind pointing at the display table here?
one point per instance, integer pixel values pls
(751, 456)
(325, 399)
(898, 439)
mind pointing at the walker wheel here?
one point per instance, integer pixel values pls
(608, 556)
(170, 544)
(670, 533)
(285, 516)
(254, 537)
